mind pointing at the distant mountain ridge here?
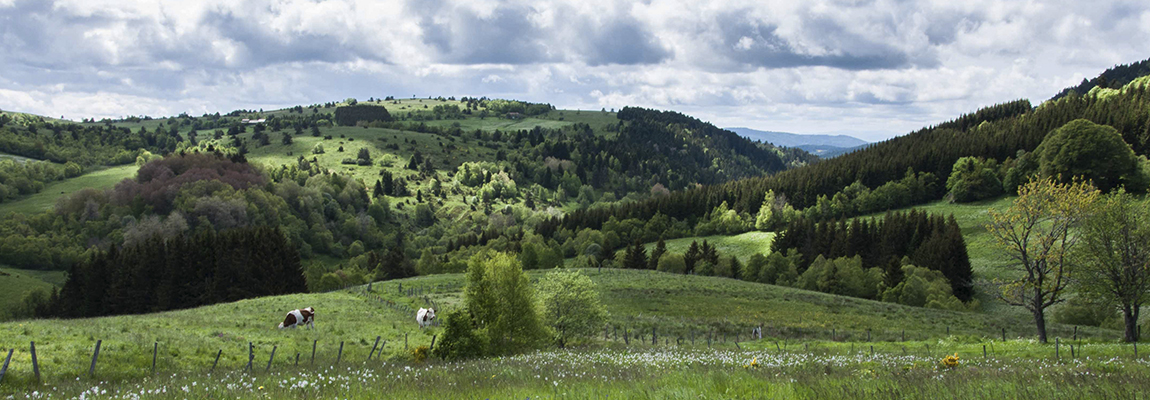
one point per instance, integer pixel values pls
(796, 140)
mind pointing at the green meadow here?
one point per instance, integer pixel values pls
(98, 179)
(683, 312)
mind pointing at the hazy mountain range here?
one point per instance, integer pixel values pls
(820, 145)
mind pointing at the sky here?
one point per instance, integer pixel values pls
(870, 69)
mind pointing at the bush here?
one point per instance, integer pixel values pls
(419, 354)
(672, 263)
(461, 339)
(923, 287)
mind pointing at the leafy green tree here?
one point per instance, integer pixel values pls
(1037, 233)
(672, 263)
(529, 256)
(1094, 152)
(1115, 256)
(503, 302)
(923, 288)
(973, 178)
(424, 217)
(428, 263)
(571, 305)
(72, 169)
(765, 220)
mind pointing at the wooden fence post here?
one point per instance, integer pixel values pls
(833, 334)
(5, 368)
(273, 357)
(1004, 334)
(218, 354)
(654, 339)
(373, 348)
(95, 356)
(297, 359)
(155, 348)
(1075, 332)
(432, 342)
(251, 356)
(1056, 357)
(405, 342)
(340, 356)
(36, 364)
(984, 351)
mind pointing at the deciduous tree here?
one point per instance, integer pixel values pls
(1036, 232)
(1115, 256)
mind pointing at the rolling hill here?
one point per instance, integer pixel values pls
(677, 307)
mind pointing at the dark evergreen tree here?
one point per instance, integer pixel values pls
(636, 257)
(692, 257)
(660, 249)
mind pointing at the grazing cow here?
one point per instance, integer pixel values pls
(425, 316)
(303, 316)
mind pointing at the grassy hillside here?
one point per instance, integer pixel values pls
(742, 245)
(14, 157)
(99, 179)
(15, 282)
(678, 308)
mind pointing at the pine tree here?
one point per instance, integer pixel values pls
(660, 249)
(378, 190)
(636, 257)
(691, 257)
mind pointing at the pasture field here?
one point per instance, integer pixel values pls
(15, 282)
(743, 245)
(684, 312)
(98, 179)
(669, 373)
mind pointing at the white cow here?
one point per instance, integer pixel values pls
(303, 316)
(424, 317)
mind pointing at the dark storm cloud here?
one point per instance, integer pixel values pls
(32, 34)
(507, 36)
(756, 43)
(264, 46)
(623, 41)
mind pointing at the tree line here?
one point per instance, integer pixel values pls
(996, 132)
(187, 271)
(929, 241)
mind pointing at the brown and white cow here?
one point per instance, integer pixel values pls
(303, 316)
(425, 316)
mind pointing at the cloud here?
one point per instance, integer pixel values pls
(872, 67)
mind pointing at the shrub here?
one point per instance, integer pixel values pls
(461, 339)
